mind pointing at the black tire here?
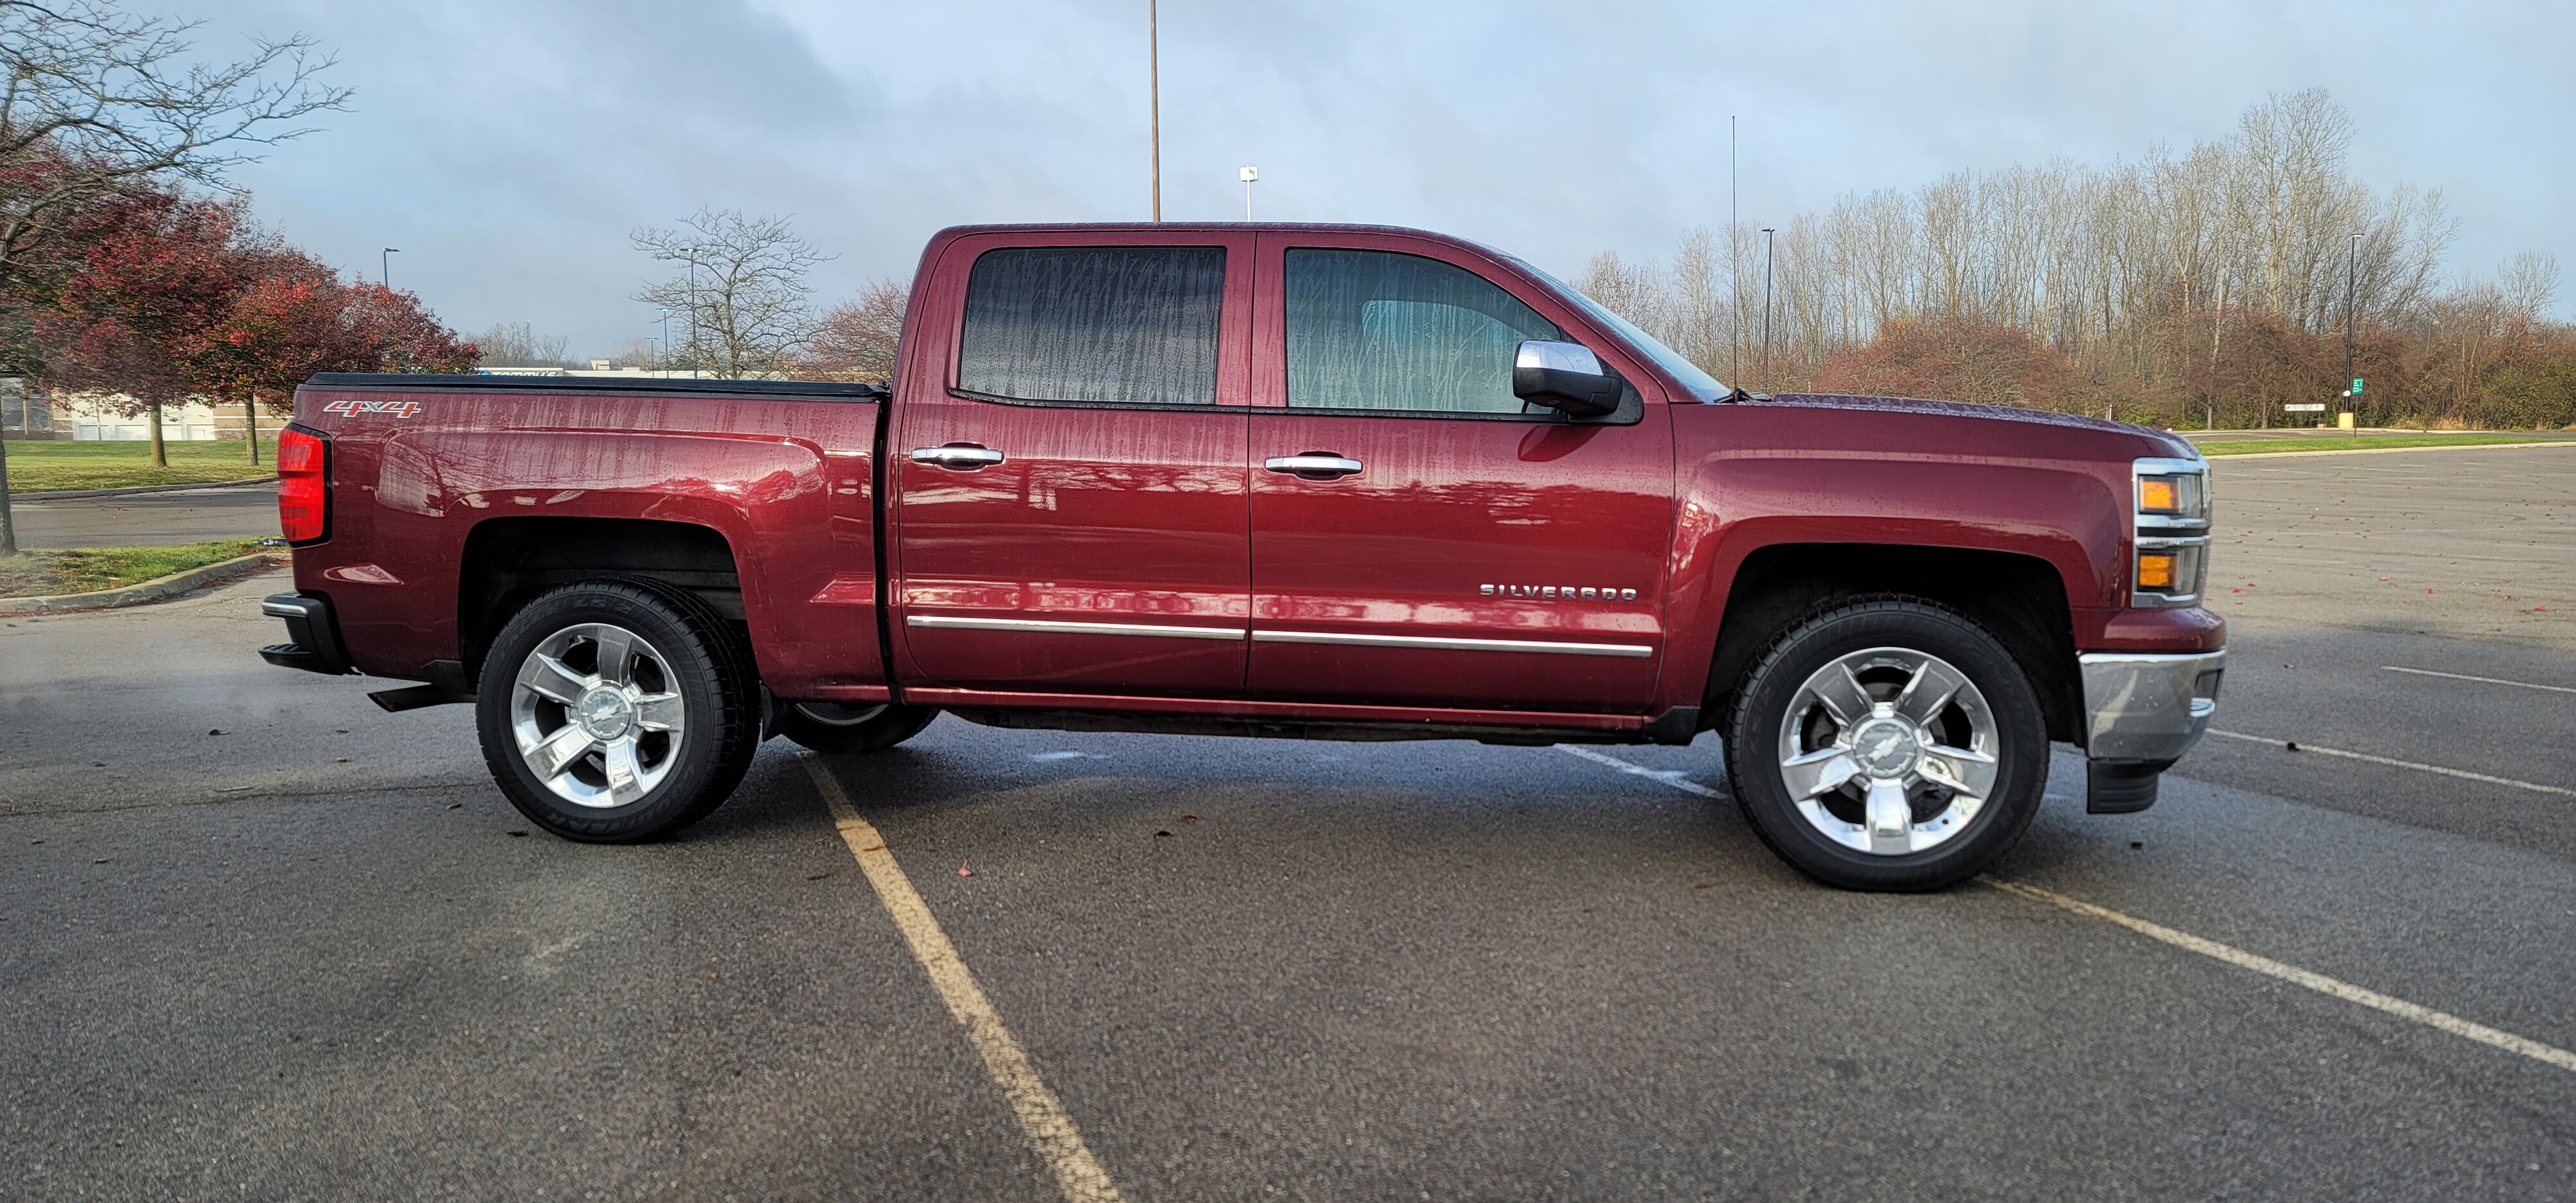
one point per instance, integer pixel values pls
(835, 727)
(1756, 743)
(686, 650)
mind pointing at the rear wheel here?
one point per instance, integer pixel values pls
(838, 727)
(1888, 745)
(617, 711)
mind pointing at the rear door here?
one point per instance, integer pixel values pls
(1070, 495)
(1469, 551)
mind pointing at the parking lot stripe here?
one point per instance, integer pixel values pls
(1042, 1116)
(2545, 1054)
(2444, 1020)
(2426, 672)
(1673, 779)
(2464, 774)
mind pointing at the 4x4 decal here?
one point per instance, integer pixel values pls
(351, 407)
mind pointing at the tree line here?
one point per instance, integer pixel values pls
(2205, 288)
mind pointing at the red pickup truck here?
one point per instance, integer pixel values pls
(1306, 481)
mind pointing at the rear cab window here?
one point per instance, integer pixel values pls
(1127, 326)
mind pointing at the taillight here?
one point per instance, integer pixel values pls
(303, 503)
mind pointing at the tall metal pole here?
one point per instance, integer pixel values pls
(1767, 232)
(385, 268)
(1734, 261)
(2351, 295)
(1154, 96)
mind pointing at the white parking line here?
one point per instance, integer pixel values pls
(2545, 1054)
(2464, 774)
(1671, 778)
(2445, 1021)
(1042, 1116)
(2426, 672)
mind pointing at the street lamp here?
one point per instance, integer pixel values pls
(2351, 295)
(692, 254)
(1248, 175)
(385, 267)
(1154, 94)
(663, 360)
(1767, 232)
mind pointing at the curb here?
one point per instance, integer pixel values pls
(2222, 458)
(60, 494)
(134, 595)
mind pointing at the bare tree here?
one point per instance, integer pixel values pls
(741, 287)
(518, 345)
(856, 339)
(98, 100)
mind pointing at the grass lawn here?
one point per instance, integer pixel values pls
(87, 570)
(2367, 442)
(44, 466)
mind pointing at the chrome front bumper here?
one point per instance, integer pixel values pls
(2148, 708)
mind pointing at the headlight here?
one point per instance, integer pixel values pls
(2169, 532)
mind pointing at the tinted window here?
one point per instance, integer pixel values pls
(1378, 330)
(1127, 325)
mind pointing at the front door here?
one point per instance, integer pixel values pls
(1422, 537)
(1070, 509)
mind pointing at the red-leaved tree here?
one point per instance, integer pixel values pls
(156, 269)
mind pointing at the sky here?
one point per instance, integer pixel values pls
(510, 147)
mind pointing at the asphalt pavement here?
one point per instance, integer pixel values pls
(317, 956)
(148, 519)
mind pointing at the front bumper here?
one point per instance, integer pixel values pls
(2142, 711)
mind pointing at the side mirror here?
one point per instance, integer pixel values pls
(1566, 377)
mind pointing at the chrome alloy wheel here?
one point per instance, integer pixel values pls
(1889, 751)
(597, 715)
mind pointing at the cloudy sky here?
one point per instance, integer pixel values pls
(509, 146)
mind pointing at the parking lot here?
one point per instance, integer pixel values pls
(260, 940)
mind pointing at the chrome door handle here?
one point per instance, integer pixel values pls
(964, 457)
(1313, 465)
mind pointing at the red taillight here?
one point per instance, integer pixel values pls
(303, 505)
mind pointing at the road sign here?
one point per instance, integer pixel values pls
(2356, 386)
(2317, 408)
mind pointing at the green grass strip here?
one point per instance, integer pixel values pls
(2367, 442)
(54, 465)
(90, 569)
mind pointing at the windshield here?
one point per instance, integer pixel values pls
(1670, 360)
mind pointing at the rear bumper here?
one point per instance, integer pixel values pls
(312, 633)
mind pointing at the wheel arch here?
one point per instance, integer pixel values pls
(2019, 599)
(508, 561)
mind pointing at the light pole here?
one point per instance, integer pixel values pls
(2351, 294)
(1734, 264)
(663, 361)
(1248, 175)
(1154, 95)
(692, 254)
(1767, 232)
(385, 267)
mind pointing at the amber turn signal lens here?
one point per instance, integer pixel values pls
(2155, 571)
(2159, 495)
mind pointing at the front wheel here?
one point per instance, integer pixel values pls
(1888, 745)
(836, 727)
(616, 711)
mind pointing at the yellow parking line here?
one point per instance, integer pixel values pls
(1042, 1116)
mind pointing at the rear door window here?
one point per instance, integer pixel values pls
(1377, 330)
(1107, 325)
